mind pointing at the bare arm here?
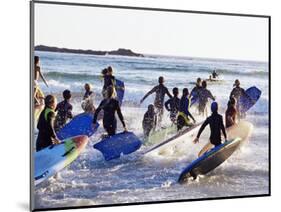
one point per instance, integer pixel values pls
(148, 93)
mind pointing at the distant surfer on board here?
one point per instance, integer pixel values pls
(172, 105)
(161, 90)
(216, 126)
(204, 94)
(110, 106)
(47, 135)
(184, 114)
(237, 92)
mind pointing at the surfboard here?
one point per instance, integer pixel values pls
(210, 160)
(121, 143)
(54, 158)
(249, 100)
(243, 130)
(160, 135)
(120, 90)
(179, 137)
(37, 111)
(194, 97)
(79, 125)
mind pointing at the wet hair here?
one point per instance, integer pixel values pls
(175, 91)
(198, 80)
(109, 69)
(36, 59)
(66, 94)
(104, 71)
(161, 80)
(109, 91)
(185, 91)
(87, 85)
(214, 107)
(49, 100)
(204, 84)
(150, 107)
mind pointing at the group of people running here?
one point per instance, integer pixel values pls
(54, 116)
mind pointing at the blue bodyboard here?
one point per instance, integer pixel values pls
(121, 143)
(249, 100)
(194, 97)
(79, 125)
(120, 90)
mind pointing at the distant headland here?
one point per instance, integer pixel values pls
(120, 52)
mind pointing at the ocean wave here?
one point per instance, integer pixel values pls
(71, 75)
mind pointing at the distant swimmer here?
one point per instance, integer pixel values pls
(237, 92)
(47, 135)
(231, 113)
(64, 111)
(184, 113)
(216, 126)
(110, 106)
(37, 71)
(149, 120)
(161, 90)
(172, 105)
(215, 74)
(204, 95)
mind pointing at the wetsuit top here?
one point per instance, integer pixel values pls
(46, 124)
(108, 81)
(230, 116)
(87, 94)
(216, 125)
(204, 94)
(237, 92)
(64, 111)
(160, 91)
(149, 119)
(173, 104)
(109, 106)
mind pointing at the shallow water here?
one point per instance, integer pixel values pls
(90, 180)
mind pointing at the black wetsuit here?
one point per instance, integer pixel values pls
(172, 105)
(64, 112)
(46, 129)
(149, 122)
(216, 125)
(204, 95)
(87, 94)
(109, 106)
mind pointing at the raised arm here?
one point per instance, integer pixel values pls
(148, 93)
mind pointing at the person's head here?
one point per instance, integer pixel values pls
(214, 107)
(185, 92)
(104, 72)
(109, 70)
(204, 84)
(87, 87)
(51, 101)
(66, 94)
(175, 91)
(161, 80)
(198, 81)
(109, 91)
(36, 60)
(150, 108)
(236, 83)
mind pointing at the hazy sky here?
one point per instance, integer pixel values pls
(153, 32)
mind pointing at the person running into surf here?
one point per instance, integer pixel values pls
(204, 94)
(237, 92)
(160, 90)
(214, 74)
(110, 106)
(215, 121)
(38, 94)
(64, 111)
(149, 120)
(47, 135)
(172, 105)
(88, 91)
(184, 114)
(231, 113)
